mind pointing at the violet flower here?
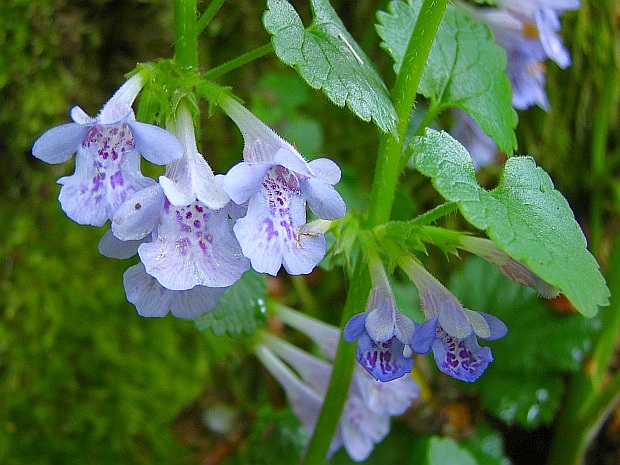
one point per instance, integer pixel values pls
(382, 332)
(455, 345)
(107, 164)
(513, 269)
(277, 183)
(192, 243)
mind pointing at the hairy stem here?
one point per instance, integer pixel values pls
(382, 196)
(185, 35)
(403, 96)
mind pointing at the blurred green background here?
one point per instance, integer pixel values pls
(83, 379)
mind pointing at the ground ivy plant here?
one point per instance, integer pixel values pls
(206, 242)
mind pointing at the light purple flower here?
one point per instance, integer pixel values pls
(540, 19)
(481, 147)
(513, 269)
(192, 243)
(108, 148)
(525, 56)
(455, 346)
(365, 419)
(153, 300)
(277, 183)
(528, 31)
(370, 403)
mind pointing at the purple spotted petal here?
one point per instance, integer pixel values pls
(82, 196)
(153, 300)
(154, 143)
(383, 360)
(324, 201)
(137, 218)
(269, 233)
(462, 359)
(124, 184)
(58, 144)
(107, 173)
(244, 180)
(192, 246)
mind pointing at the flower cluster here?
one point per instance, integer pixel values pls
(387, 338)
(365, 419)
(192, 240)
(528, 31)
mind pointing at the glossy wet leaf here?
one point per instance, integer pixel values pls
(524, 215)
(328, 58)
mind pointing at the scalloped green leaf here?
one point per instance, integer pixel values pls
(240, 310)
(524, 215)
(465, 68)
(328, 58)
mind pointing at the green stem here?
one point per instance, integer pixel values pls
(338, 388)
(403, 96)
(239, 61)
(430, 116)
(185, 35)
(208, 15)
(382, 196)
(589, 398)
